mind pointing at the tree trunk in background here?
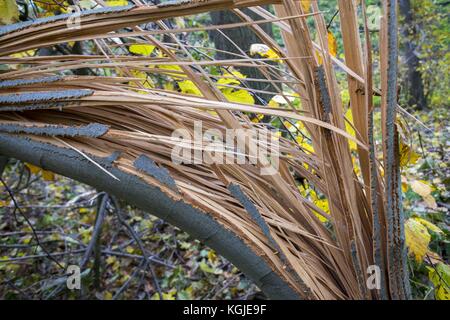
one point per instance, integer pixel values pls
(413, 83)
(243, 37)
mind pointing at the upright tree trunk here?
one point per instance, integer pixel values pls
(413, 82)
(242, 37)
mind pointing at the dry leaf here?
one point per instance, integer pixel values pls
(424, 190)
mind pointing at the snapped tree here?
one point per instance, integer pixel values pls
(312, 229)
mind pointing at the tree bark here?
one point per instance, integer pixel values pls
(413, 82)
(396, 251)
(152, 199)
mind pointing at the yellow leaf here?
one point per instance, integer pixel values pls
(231, 72)
(404, 187)
(289, 126)
(322, 204)
(404, 184)
(169, 85)
(23, 54)
(173, 67)
(107, 295)
(430, 226)
(258, 118)
(303, 143)
(155, 296)
(227, 81)
(273, 104)
(349, 128)
(142, 49)
(146, 81)
(332, 44)
(332, 47)
(306, 5)
(440, 276)
(170, 295)
(212, 257)
(230, 78)
(46, 175)
(417, 238)
(129, 249)
(232, 94)
(407, 155)
(27, 239)
(85, 234)
(238, 96)
(116, 3)
(33, 169)
(9, 13)
(345, 96)
(51, 6)
(111, 260)
(264, 51)
(424, 190)
(188, 87)
(443, 293)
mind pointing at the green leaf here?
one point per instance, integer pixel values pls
(440, 276)
(205, 267)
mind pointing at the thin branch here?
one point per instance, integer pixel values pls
(97, 228)
(16, 207)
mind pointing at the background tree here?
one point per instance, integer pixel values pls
(413, 84)
(425, 59)
(239, 41)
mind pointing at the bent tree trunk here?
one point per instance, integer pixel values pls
(152, 199)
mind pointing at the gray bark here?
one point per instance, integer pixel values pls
(152, 199)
